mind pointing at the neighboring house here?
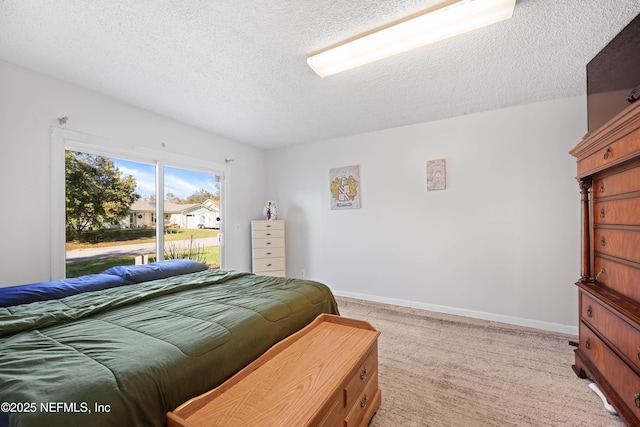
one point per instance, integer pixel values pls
(176, 215)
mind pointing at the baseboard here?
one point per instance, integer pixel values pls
(518, 321)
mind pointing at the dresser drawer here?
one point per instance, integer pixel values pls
(276, 242)
(621, 278)
(266, 234)
(370, 397)
(619, 243)
(621, 149)
(267, 225)
(621, 211)
(621, 334)
(367, 370)
(268, 253)
(619, 376)
(268, 264)
(626, 181)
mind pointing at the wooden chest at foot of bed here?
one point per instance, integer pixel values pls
(324, 375)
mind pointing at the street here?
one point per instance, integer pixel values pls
(136, 249)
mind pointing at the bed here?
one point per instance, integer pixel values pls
(127, 354)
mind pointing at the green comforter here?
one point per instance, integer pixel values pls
(127, 355)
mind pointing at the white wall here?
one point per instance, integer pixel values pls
(500, 243)
(31, 103)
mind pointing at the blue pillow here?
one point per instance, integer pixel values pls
(56, 289)
(156, 270)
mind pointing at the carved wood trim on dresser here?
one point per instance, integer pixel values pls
(609, 287)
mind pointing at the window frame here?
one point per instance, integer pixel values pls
(64, 139)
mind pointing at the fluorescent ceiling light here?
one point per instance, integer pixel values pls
(447, 20)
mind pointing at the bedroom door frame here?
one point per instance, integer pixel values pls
(65, 139)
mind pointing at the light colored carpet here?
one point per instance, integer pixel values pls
(443, 370)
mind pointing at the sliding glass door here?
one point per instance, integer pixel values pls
(116, 214)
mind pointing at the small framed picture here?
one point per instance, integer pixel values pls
(436, 175)
(344, 186)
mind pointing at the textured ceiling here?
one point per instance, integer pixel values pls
(238, 67)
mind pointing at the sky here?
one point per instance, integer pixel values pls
(180, 182)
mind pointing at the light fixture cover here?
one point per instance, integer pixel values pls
(448, 20)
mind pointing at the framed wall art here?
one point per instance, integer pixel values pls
(436, 175)
(344, 185)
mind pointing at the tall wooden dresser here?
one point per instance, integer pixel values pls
(268, 248)
(609, 288)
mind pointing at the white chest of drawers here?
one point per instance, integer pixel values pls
(268, 248)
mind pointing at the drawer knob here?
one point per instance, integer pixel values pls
(600, 273)
(363, 373)
(637, 399)
(588, 343)
(602, 213)
(269, 234)
(363, 401)
(602, 187)
(606, 153)
(602, 241)
(589, 312)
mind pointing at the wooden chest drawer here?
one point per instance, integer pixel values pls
(366, 371)
(275, 242)
(268, 252)
(268, 264)
(610, 154)
(267, 225)
(267, 234)
(618, 375)
(621, 211)
(618, 243)
(623, 336)
(370, 397)
(626, 181)
(620, 277)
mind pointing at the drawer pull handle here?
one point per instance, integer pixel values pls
(268, 243)
(269, 265)
(600, 273)
(638, 353)
(589, 312)
(602, 241)
(588, 343)
(269, 234)
(363, 374)
(602, 187)
(602, 213)
(606, 153)
(637, 399)
(269, 253)
(363, 402)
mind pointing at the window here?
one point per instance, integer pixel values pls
(192, 192)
